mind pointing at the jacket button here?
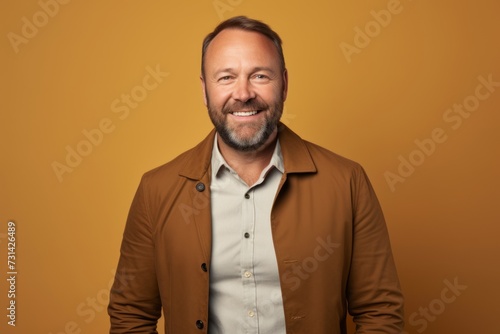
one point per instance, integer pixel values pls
(199, 324)
(200, 186)
(204, 267)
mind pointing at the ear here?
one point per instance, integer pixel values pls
(204, 90)
(285, 84)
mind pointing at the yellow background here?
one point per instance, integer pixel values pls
(443, 219)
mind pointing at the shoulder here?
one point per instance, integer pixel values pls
(170, 168)
(191, 164)
(304, 156)
(332, 166)
(344, 173)
(325, 158)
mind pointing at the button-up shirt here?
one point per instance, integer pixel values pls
(245, 293)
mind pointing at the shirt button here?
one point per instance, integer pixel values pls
(247, 195)
(251, 313)
(199, 324)
(247, 235)
(247, 274)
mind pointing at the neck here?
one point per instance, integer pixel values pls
(249, 164)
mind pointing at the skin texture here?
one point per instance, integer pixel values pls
(243, 74)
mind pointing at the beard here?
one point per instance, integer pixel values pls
(236, 136)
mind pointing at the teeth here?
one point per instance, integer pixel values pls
(244, 113)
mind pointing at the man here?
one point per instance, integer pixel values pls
(254, 230)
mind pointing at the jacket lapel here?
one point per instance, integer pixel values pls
(296, 156)
(197, 172)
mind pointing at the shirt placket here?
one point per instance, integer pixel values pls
(247, 262)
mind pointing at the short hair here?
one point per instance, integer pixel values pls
(247, 24)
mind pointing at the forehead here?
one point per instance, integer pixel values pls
(240, 46)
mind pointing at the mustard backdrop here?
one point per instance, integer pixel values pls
(96, 93)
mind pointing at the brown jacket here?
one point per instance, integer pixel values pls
(329, 233)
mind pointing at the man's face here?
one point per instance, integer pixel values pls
(244, 88)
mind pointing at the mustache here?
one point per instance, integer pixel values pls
(244, 106)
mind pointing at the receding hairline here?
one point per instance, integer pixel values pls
(270, 44)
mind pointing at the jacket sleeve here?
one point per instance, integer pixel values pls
(373, 292)
(135, 304)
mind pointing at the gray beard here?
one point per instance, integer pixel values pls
(246, 145)
(251, 144)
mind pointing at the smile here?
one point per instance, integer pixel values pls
(245, 113)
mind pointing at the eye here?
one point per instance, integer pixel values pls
(260, 78)
(225, 78)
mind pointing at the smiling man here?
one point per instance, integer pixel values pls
(254, 230)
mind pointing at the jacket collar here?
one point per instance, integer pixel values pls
(296, 156)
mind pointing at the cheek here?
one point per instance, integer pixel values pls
(271, 93)
(217, 96)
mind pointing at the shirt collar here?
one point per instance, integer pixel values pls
(218, 160)
(296, 155)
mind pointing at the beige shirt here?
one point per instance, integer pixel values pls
(245, 293)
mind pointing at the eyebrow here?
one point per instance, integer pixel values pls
(255, 69)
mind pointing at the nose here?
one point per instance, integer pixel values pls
(243, 91)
